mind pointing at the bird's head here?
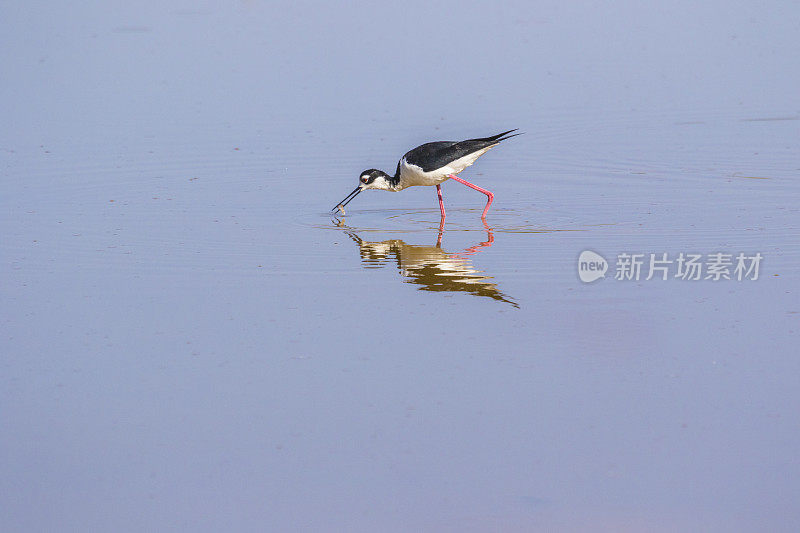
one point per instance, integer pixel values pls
(374, 179)
(369, 179)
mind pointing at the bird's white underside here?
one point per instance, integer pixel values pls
(412, 175)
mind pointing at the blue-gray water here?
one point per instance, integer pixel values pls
(190, 342)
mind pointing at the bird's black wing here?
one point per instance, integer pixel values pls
(431, 156)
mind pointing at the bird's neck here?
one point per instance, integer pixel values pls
(394, 181)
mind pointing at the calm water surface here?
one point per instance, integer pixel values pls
(191, 341)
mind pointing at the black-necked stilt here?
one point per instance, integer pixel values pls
(431, 164)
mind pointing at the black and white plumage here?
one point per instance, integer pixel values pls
(430, 164)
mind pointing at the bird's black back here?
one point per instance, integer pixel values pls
(431, 156)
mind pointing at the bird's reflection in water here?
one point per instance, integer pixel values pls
(430, 267)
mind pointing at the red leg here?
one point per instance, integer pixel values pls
(441, 202)
(488, 194)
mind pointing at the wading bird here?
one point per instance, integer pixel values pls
(430, 164)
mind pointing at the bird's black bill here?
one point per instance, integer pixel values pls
(347, 198)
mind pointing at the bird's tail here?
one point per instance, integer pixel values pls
(500, 136)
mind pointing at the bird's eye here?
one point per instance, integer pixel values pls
(364, 179)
